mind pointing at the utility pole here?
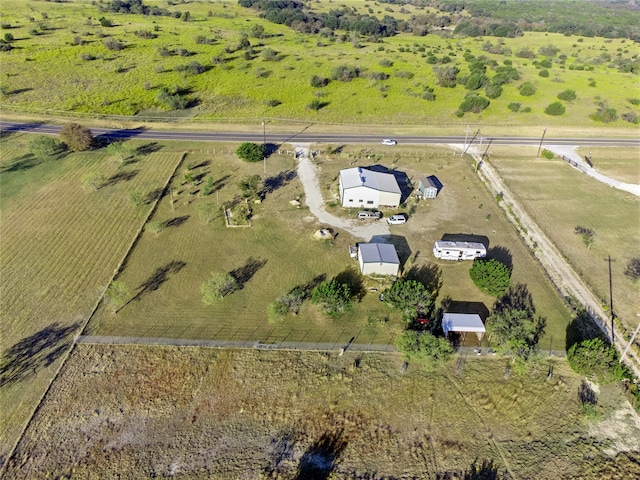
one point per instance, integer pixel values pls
(264, 148)
(540, 147)
(467, 148)
(613, 340)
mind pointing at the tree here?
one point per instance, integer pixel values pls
(473, 102)
(568, 95)
(217, 286)
(633, 269)
(249, 185)
(597, 360)
(284, 304)
(513, 323)
(425, 348)
(250, 152)
(77, 137)
(117, 294)
(527, 89)
(333, 297)
(555, 108)
(44, 146)
(120, 150)
(410, 297)
(174, 101)
(492, 276)
(93, 180)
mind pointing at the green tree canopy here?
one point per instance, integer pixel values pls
(44, 147)
(333, 297)
(251, 152)
(597, 360)
(217, 286)
(425, 348)
(76, 137)
(491, 276)
(410, 297)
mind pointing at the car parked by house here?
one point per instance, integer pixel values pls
(398, 219)
(389, 142)
(367, 215)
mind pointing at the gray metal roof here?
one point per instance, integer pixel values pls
(358, 176)
(378, 253)
(426, 182)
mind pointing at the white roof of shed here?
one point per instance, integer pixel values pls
(378, 253)
(462, 322)
(362, 177)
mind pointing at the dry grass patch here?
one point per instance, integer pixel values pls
(229, 414)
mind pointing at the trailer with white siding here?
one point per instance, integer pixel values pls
(458, 250)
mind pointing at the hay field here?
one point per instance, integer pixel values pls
(60, 246)
(60, 64)
(130, 412)
(560, 198)
(278, 254)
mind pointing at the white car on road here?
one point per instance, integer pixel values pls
(389, 142)
(396, 220)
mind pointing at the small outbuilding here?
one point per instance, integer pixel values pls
(463, 323)
(364, 188)
(429, 187)
(378, 259)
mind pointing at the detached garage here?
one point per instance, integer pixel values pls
(463, 323)
(378, 258)
(363, 188)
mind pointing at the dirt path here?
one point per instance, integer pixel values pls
(307, 173)
(563, 276)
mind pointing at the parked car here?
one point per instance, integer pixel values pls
(365, 215)
(389, 142)
(396, 220)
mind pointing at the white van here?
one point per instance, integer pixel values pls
(365, 215)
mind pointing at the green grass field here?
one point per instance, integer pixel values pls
(541, 186)
(228, 414)
(60, 246)
(243, 88)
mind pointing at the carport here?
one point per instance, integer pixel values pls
(463, 323)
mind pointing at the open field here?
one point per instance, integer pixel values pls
(620, 163)
(60, 63)
(129, 412)
(560, 198)
(277, 254)
(60, 246)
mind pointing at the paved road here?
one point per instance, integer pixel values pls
(308, 137)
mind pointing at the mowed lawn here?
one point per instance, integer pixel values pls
(560, 198)
(227, 414)
(60, 245)
(277, 254)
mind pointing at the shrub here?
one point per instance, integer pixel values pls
(476, 81)
(315, 104)
(345, 73)
(596, 360)
(568, 95)
(217, 287)
(492, 276)
(633, 269)
(586, 234)
(547, 154)
(605, 114)
(493, 90)
(555, 108)
(474, 103)
(174, 101)
(543, 73)
(250, 152)
(112, 44)
(318, 81)
(527, 89)
(425, 348)
(333, 297)
(409, 297)
(8, 37)
(514, 106)
(44, 146)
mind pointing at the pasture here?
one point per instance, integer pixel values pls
(206, 413)
(60, 244)
(61, 64)
(559, 198)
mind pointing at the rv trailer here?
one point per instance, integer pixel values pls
(458, 250)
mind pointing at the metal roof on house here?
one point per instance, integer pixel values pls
(378, 253)
(462, 322)
(358, 177)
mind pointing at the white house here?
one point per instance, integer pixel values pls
(458, 250)
(378, 258)
(463, 323)
(363, 188)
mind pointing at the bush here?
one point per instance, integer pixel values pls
(586, 234)
(173, 101)
(425, 348)
(568, 95)
(605, 114)
(543, 73)
(491, 276)
(555, 108)
(44, 146)
(77, 137)
(514, 106)
(527, 89)
(493, 90)
(112, 44)
(217, 287)
(633, 269)
(333, 297)
(596, 360)
(547, 154)
(345, 73)
(318, 81)
(474, 103)
(251, 152)
(409, 297)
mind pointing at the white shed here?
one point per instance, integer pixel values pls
(378, 258)
(363, 188)
(464, 323)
